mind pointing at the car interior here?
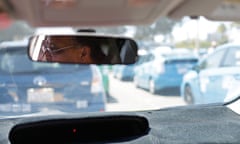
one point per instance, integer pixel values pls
(210, 123)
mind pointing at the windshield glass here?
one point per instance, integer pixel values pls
(181, 62)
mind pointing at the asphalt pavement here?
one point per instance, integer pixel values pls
(124, 96)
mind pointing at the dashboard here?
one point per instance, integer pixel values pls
(213, 123)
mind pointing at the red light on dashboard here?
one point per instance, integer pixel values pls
(74, 130)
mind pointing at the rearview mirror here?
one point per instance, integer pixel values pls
(82, 49)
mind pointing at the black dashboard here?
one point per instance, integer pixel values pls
(191, 124)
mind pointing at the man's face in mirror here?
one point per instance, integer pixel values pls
(83, 50)
(66, 49)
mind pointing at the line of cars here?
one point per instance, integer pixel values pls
(212, 78)
(161, 68)
(127, 72)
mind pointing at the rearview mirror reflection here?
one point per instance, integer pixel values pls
(82, 49)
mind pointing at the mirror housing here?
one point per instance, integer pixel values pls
(82, 49)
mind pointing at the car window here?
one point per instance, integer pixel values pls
(213, 61)
(151, 57)
(232, 58)
(148, 58)
(141, 59)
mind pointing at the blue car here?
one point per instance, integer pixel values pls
(29, 87)
(127, 72)
(164, 69)
(213, 77)
(124, 72)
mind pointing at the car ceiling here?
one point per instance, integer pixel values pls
(116, 12)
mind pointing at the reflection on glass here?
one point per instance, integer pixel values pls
(84, 50)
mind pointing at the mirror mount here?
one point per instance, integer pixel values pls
(86, 30)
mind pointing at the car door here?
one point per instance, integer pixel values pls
(231, 72)
(145, 71)
(210, 77)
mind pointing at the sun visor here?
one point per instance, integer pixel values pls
(88, 13)
(91, 12)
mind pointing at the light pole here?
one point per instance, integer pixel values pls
(197, 34)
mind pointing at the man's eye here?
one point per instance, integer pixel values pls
(52, 47)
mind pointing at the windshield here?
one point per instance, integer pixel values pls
(181, 62)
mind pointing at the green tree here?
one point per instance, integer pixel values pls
(144, 33)
(235, 25)
(191, 44)
(222, 30)
(163, 26)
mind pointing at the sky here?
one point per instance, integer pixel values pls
(190, 28)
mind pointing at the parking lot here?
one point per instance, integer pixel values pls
(124, 96)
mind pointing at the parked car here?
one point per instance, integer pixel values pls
(127, 72)
(147, 45)
(28, 87)
(164, 69)
(202, 52)
(124, 72)
(213, 77)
